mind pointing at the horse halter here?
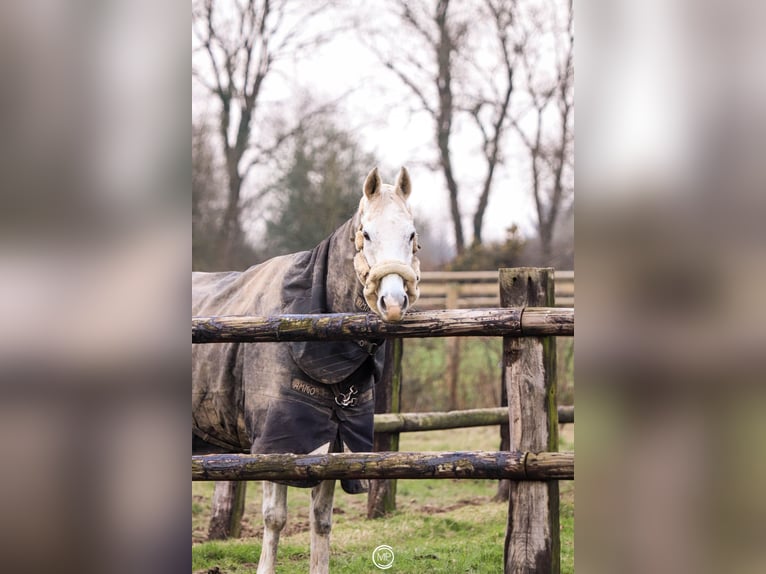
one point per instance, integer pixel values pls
(370, 277)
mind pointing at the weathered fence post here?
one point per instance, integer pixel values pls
(228, 506)
(381, 499)
(529, 372)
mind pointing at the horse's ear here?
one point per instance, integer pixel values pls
(403, 184)
(372, 183)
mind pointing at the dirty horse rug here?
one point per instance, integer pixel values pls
(300, 396)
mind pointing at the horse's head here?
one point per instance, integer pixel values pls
(386, 243)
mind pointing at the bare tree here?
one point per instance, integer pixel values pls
(236, 47)
(442, 37)
(546, 130)
(452, 76)
(206, 199)
(492, 115)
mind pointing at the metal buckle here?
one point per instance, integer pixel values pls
(347, 399)
(369, 346)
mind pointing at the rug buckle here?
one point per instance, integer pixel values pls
(347, 399)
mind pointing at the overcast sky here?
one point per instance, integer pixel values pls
(380, 110)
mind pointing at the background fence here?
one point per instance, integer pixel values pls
(473, 289)
(457, 357)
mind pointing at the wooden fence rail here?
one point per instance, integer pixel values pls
(412, 422)
(377, 465)
(504, 322)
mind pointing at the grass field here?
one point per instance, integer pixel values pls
(440, 526)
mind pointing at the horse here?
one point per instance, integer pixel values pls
(306, 397)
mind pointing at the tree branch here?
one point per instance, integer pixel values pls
(408, 16)
(493, 138)
(268, 152)
(413, 87)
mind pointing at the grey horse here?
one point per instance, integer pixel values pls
(311, 396)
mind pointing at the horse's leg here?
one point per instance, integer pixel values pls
(321, 524)
(274, 518)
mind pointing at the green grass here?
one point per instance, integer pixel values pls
(566, 523)
(440, 526)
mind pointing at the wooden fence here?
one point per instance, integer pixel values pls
(474, 289)
(531, 461)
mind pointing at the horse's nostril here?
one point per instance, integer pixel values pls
(382, 304)
(406, 302)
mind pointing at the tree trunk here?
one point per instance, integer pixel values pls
(481, 208)
(228, 507)
(546, 243)
(452, 189)
(231, 229)
(444, 49)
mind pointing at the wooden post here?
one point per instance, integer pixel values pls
(453, 351)
(529, 371)
(228, 507)
(381, 499)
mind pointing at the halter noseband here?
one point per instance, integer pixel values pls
(370, 277)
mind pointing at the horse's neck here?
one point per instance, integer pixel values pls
(342, 284)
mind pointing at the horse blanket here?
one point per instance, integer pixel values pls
(286, 397)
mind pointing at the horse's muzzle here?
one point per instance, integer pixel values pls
(390, 287)
(393, 308)
(392, 297)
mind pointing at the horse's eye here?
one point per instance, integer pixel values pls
(366, 235)
(412, 237)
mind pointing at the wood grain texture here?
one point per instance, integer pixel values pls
(228, 507)
(529, 371)
(470, 464)
(413, 422)
(514, 322)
